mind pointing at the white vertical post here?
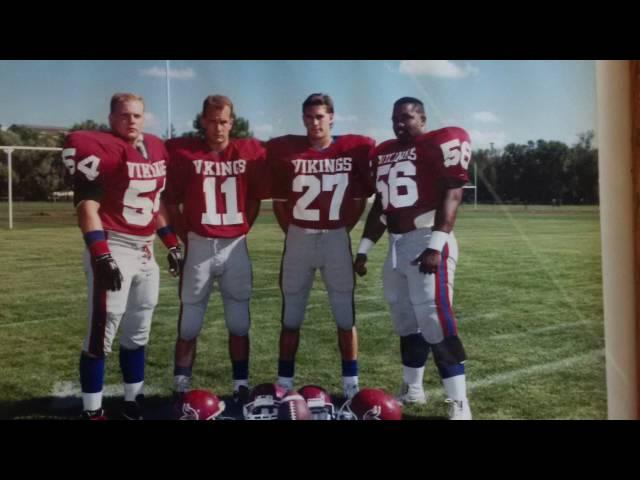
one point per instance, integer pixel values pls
(168, 102)
(10, 189)
(475, 183)
(613, 79)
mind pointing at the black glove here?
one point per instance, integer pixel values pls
(107, 273)
(359, 266)
(174, 257)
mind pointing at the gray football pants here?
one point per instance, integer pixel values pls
(130, 308)
(307, 250)
(419, 302)
(225, 260)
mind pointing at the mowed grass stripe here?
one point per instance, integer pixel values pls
(505, 288)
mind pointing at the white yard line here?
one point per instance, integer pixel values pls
(534, 331)
(66, 394)
(513, 376)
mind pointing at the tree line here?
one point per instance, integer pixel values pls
(538, 172)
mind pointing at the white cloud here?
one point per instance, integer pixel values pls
(380, 134)
(264, 129)
(150, 120)
(486, 117)
(184, 74)
(483, 139)
(436, 68)
(345, 118)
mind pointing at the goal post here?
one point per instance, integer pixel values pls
(9, 149)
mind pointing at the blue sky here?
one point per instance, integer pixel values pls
(496, 101)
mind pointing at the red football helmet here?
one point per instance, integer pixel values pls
(263, 402)
(200, 405)
(319, 402)
(371, 404)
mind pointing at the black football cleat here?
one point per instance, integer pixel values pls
(132, 411)
(241, 395)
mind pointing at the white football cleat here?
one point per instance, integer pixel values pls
(412, 394)
(458, 409)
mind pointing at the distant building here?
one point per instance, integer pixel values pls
(44, 129)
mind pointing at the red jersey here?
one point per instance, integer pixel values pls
(320, 184)
(216, 186)
(111, 171)
(408, 176)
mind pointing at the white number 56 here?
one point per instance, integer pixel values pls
(455, 153)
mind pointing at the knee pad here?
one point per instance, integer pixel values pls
(293, 311)
(236, 316)
(449, 353)
(133, 344)
(342, 309)
(414, 350)
(191, 321)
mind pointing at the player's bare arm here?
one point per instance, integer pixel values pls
(445, 220)
(107, 273)
(373, 230)
(168, 236)
(282, 211)
(175, 218)
(252, 210)
(88, 218)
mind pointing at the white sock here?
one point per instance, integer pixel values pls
(240, 383)
(455, 387)
(348, 381)
(132, 390)
(91, 401)
(181, 383)
(412, 376)
(286, 382)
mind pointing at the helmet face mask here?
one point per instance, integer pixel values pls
(200, 405)
(319, 402)
(263, 402)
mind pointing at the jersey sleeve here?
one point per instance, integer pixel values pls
(453, 156)
(278, 173)
(89, 163)
(363, 186)
(177, 176)
(259, 173)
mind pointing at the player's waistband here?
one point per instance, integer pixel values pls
(418, 232)
(199, 238)
(315, 231)
(133, 241)
(403, 224)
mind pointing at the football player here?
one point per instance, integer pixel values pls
(419, 178)
(118, 177)
(319, 186)
(215, 185)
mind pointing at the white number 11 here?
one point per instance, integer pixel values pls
(211, 215)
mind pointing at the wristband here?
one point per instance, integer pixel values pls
(365, 245)
(168, 236)
(438, 240)
(96, 242)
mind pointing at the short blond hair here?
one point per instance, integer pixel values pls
(119, 98)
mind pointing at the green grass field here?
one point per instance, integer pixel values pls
(528, 299)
